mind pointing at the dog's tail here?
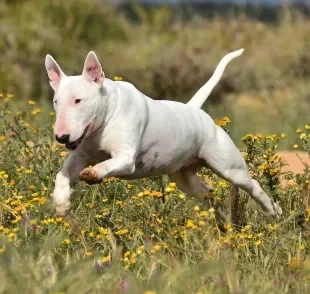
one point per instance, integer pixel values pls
(203, 93)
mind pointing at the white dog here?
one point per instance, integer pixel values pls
(123, 133)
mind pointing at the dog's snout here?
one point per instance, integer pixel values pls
(63, 139)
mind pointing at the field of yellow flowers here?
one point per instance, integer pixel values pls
(145, 236)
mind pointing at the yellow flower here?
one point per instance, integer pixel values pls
(273, 228)
(118, 202)
(196, 208)
(228, 226)
(148, 292)
(11, 235)
(169, 190)
(201, 223)
(270, 138)
(52, 113)
(127, 253)
(121, 232)
(36, 111)
(246, 228)
(273, 171)
(157, 247)
(223, 184)
(118, 78)
(30, 102)
(156, 194)
(190, 224)
(28, 171)
(51, 220)
(106, 259)
(226, 119)
(302, 247)
(298, 131)
(66, 241)
(295, 146)
(59, 219)
(146, 193)
(181, 196)
(103, 231)
(2, 138)
(258, 243)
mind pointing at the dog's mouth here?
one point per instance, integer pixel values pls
(73, 145)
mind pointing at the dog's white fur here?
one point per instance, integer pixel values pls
(129, 135)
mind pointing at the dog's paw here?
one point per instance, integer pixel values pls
(276, 212)
(90, 176)
(277, 209)
(61, 200)
(63, 210)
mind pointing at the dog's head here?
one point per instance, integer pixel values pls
(76, 99)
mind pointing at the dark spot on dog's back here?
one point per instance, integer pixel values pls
(140, 164)
(156, 154)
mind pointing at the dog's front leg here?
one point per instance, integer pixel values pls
(123, 163)
(69, 172)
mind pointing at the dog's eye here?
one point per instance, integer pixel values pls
(55, 101)
(77, 101)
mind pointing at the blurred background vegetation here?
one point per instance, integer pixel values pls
(168, 52)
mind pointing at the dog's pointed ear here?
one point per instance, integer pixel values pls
(92, 69)
(55, 74)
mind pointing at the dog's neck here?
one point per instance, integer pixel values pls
(106, 106)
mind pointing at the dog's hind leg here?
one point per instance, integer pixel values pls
(223, 157)
(188, 181)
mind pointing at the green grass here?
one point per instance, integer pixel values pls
(143, 236)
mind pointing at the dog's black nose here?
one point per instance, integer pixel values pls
(63, 139)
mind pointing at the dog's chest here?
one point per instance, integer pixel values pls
(93, 153)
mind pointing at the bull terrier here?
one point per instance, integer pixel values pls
(120, 132)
